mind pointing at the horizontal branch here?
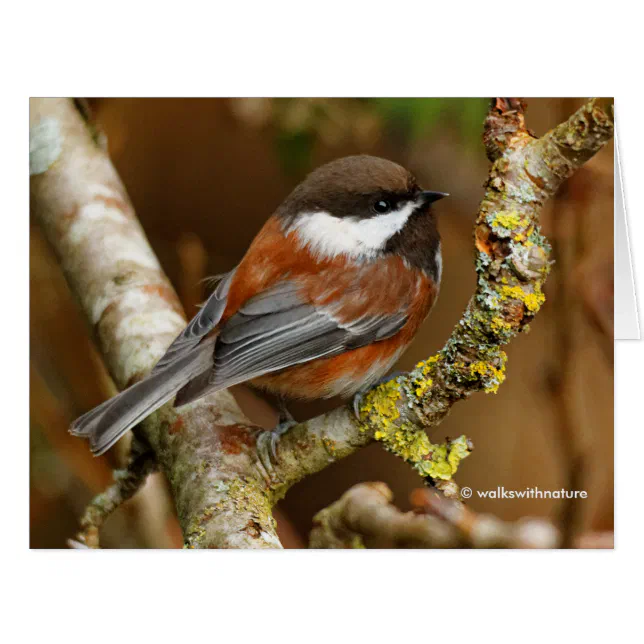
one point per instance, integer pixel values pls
(365, 518)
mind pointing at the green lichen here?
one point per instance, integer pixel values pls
(380, 409)
(459, 449)
(242, 496)
(483, 260)
(500, 326)
(221, 486)
(196, 531)
(45, 145)
(445, 458)
(487, 297)
(247, 497)
(535, 238)
(483, 329)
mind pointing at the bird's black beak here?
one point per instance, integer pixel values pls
(429, 196)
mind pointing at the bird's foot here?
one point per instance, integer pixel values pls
(359, 396)
(267, 444)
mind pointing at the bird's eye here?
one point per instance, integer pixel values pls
(382, 206)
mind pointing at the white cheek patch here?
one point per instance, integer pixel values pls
(329, 236)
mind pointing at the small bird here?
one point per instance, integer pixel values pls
(329, 294)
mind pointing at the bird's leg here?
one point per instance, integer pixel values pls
(359, 396)
(285, 415)
(267, 441)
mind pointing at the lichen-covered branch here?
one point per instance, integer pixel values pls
(365, 518)
(512, 263)
(206, 450)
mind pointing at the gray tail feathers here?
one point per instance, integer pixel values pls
(105, 424)
(198, 387)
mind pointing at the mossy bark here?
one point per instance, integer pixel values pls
(208, 450)
(512, 264)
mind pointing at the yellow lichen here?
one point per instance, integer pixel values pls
(426, 365)
(379, 405)
(379, 410)
(489, 374)
(329, 445)
(246, 496)
(499, 324)
(508, 219)
(444, 459)
(479, 367)
(532, 301)
(420, 380)
(423, 386)
(459, 449)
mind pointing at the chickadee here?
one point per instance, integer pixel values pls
(330, 293)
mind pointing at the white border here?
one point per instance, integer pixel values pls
(542, 48)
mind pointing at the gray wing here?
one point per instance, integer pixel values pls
(276, 329)
(204, 322)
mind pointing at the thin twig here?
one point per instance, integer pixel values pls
(127, 482)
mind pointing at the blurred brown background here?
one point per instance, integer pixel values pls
(204, 174)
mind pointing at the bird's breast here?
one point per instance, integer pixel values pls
(347, 290)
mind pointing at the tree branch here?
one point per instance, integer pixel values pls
(512, 263)
(365, 518)
(207, 450)
(127, 482)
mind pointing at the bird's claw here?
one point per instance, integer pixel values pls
(357, 403)
(267, 442)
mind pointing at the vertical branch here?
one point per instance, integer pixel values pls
(207, 450)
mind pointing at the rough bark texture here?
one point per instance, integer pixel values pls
(223, 495)
(207, 450)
